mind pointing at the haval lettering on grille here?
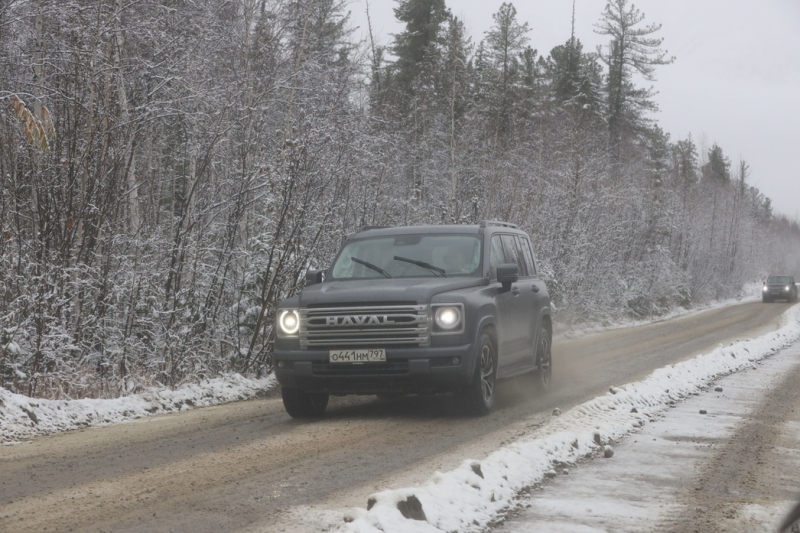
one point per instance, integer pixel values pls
(356, 320)
(417, 310)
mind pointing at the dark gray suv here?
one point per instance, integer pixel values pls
(417, 309)
(779, 288)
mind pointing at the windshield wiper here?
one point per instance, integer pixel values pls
(423, 264)
(370, 266)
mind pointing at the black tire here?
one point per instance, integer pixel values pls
(477, 398)
(302, 404)
(543, 374)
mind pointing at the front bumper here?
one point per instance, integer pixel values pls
(405, 371)
(778, 294)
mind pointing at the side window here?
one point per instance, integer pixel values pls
(497, 256)
(526, 252)
(513, 255)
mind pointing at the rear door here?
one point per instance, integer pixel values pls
(513, 306)
(539, 290)
(527, 318)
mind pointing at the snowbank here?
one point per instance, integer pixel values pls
(22, 417)
(471, 496)
(750, 292)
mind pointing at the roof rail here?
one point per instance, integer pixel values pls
(487, 223)
(367, 228)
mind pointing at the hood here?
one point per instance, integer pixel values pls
(383, 291)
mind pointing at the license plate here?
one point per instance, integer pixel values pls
(364, 355)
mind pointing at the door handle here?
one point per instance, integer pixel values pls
(535, 288)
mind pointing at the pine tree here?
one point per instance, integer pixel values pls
(718, 168)
(505, 43)
(455, 85)
(684, 162)
(631, 51)
(575, 77)
(417, 48)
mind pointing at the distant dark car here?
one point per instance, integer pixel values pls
(779, 288)
(416, 309)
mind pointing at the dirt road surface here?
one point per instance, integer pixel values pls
(247, 466)
(756, 467)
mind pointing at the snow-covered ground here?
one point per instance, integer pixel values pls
(640, 487)
(22, 417)
(478, 493)
(750, 292)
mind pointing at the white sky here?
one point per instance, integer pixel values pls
(735, 81)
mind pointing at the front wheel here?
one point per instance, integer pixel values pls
(302, 404)
(544, 362)
(478, 397)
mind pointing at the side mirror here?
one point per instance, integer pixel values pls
(507, 273)
(314, 276)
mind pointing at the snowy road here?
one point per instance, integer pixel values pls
(248, 467)
(734, 468)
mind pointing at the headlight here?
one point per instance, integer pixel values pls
(786, 288)
(765, 288)
(288, 322)
(448, 318)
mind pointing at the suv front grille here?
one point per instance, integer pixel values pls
(368, 326)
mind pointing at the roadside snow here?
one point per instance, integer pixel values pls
(750, 292)
(470, 497)
(644, 488)
(22, 417)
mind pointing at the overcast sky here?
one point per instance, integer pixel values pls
(735, 80)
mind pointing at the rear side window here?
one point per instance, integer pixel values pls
(528, 255)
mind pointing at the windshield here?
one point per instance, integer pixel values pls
(779, 280)
(406, 256)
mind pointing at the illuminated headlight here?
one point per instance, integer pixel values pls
(449, 318)
(766, 288)
(288, 321)
(786, 288)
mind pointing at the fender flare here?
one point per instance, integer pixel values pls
(486, 320)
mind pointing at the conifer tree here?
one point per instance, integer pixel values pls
(505, 42)
(417, 48)
(631, 51)
(576, 78)
(684, 157)
(718, 167)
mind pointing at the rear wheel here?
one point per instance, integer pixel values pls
(544, 362)
(302, 404)
(478, 397)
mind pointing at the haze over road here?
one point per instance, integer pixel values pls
(245, 466)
